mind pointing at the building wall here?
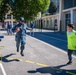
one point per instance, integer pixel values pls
(9, 18)
(68, 13)
(48, 22)
(69, 4)
(74, 18)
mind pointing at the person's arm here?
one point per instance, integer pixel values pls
(75, 37)
(14, 29)
(28, 27)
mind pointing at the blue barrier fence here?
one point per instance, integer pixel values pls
(1, 37)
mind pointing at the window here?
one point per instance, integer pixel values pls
(8, 16)
(55, 22)
(50, 22)
(74, 2)
(68, 4)
(67, 18)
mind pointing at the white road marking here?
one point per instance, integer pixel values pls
(3, 71)
(52, 46)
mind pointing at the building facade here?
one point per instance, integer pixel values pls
(66, 14)
(49, 22)
(9, 18)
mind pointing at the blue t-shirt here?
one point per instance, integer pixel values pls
(9, 26)
(32, 25)
(22, 29)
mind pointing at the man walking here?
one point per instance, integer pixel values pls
(32, 27)
(20, 36)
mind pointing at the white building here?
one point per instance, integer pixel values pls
(9, 18)
(67, 13)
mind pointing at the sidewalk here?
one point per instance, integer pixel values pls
(48, 30)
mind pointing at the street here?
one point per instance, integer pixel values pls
(45, 54)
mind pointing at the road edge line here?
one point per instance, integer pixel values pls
(3, 71)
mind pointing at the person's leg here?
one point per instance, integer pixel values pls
(30, 32)
(11, 31)
(17, 38)
(70, 56)
(33, 31)
(23, 42)
(22, 49)
(8, 31)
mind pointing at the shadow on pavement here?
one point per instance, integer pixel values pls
(8, 59)
(53, 70)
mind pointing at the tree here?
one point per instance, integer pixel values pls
(52, 8)
(28, 8)
(0, 1)
(4, 8)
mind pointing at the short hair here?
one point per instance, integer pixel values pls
(70, 25)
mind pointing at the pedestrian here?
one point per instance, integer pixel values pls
(9, 28)
(20, 36)
(71, 40)
(32, 28)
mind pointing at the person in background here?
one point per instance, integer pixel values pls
(71, 40)
(32, 27)
(9, 28)
(20, 36)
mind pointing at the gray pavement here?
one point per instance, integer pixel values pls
(41, 57)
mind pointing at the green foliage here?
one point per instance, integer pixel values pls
(4, 7)
(43, 15)
(25, 8)
(0, 1)
(29, 8)
(52, 8)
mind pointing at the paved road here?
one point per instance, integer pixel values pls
(41, 57)
(57, 39)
